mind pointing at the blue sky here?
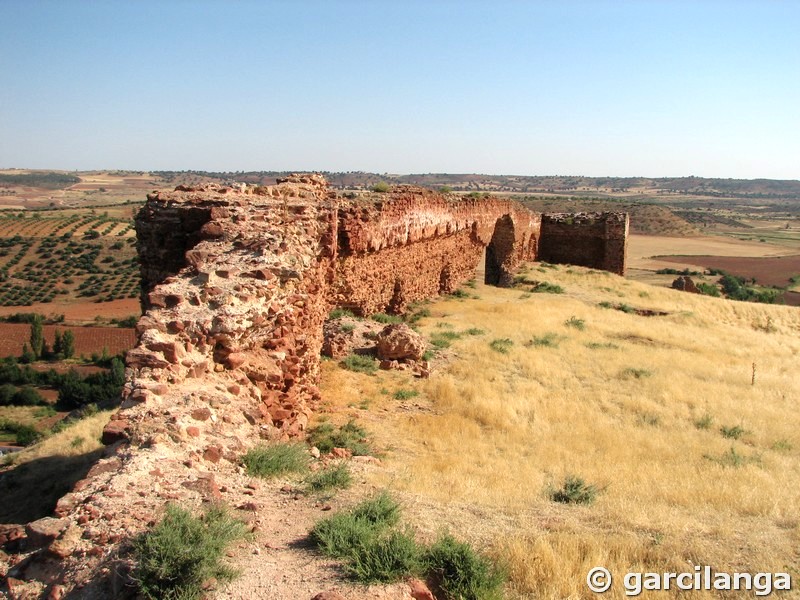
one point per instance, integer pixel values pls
(597, 88)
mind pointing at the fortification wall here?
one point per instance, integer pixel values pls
(595, 240)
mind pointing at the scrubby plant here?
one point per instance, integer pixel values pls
(543, 287)
(548, 340)
(381, 187)
(335, 477)
(275, 460)
(501, 345)
(350, 436)
(734, 459)
(405, 394)
(387, 319)
(575, 323)
(338, 313)
(183, 552)
(704, 422)
(575, 491)
(458, 572)
(360, 364)
(733, 432)
(386, 558)
(635, 373)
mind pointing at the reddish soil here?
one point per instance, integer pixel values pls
(88, 340)
(84, 312)
(768, 270)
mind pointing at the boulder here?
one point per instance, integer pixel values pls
(400, 342)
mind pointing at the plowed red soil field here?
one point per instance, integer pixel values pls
(767, 270)
(88, 340)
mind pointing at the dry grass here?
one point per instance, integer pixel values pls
(503, 428)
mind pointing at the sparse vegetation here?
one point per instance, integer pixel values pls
(275, 460)
(548, 340)
(360, 364)
(460, 573)
(501, 345)
(574, 490)
(405, 394)
(349, 436)
(183, 552)
(387, 319)
(575, 323)
(543, 287)
(331, 478)
(734, 432)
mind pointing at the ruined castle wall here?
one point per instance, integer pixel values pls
(595, 240)
(243, 301)
(417, 244)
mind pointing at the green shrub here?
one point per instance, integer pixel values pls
(386, 558)
(460, 294)
(601, 345)
(278, 459)
(405, 394)
(782, 445)
(338, 313)
(474, 331)
(351, 436)
(733, 459)
(548, 340)
(359, 363)
(347, 327)
(381, 187)
(441, 341)
(387, 319)
(336, 477)
(708, 289)
(704, 422)
(733, 433)
(575, 491)
(460, 573)
(342, 534)
(543, 287)
(575, 323)
(183, 552)
(502, 345)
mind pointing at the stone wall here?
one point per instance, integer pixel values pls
(595, 240)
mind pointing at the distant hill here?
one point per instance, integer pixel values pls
(604, 186)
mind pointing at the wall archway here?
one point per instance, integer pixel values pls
(500, 254)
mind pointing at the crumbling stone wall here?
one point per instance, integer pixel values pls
(596, 240)
(415, 244)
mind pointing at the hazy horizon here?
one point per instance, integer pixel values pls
(586, 88)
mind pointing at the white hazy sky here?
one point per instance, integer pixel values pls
(651, 88)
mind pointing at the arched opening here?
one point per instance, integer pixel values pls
(500, 254)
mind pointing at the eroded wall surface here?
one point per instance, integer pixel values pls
(596, 240)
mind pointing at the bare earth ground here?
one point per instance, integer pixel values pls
(80, 312)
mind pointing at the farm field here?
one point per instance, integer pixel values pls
(88, 340)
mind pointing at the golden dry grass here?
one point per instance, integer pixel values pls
(618, 404)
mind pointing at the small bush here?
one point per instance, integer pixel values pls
(733, 459)
(338, 313)
(360, 364)
(182, 552)
(575, 491)
(460, 573)
(347, 327)
(543, 287)
(387, 319)
(575, 323)
(336, 477)
(548, 340)
(405, 394)
(344, 533)
(782, 445)
(381, 187)
(474, 331)
(460, 294)
(279, 459)
(704, 422)
(351, 436)
(502, 345)
(386, 558)
(732, 433)
(602, 345)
